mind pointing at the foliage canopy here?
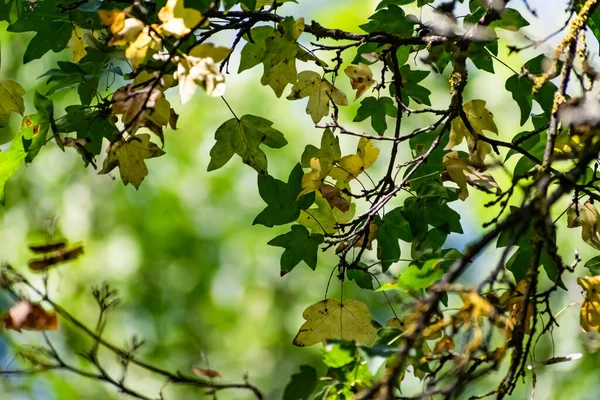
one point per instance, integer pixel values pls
(398, 190)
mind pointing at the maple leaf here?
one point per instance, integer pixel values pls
(586, 216)
(319, 92)
(361, 78)
(129, 156)
(330, 319)
(462, 172)
(279, 56)
(299, 246)
(77, 43)
(329, 151)
(11, 100)
(480, 119)
(177, 20)
(284, 201)
(243, 137)
(349, 167)
(146, 44)
(199, 68)
(589, 317)
(29, 316)
(324, 219)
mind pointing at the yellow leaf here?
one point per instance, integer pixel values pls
(319, 92)
(129, 156)
(481, 120)
(144, 46)
(361, 78)
(129, 33)
(78, 44)
(330, 319)
(177, 20)
(349, 167)
(462, 172)
(115, 19)
(208, 50)
(588, 218)
(589, 316)
(312, 181)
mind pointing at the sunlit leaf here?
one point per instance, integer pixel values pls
(330, 319)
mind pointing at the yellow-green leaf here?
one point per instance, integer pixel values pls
(129, 156)
(11, 100)
(330, 319)
(319, 92)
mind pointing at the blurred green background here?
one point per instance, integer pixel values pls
(198, 281)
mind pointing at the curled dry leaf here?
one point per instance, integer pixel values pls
(361, 78)
(589, 316)
(61, 255)
(28, 316)
(206, 373)
(585, 216)
(330, 319)
(334, 197)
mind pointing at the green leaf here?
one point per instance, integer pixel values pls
(243, 137)
(35, 137)
(329, 151)
(391, 20)
(12, 159)
(362, 278)
(593, 265)
(510, 19)
(299, 246)
(283, 205)
(11, 100)
(521, 90)
(91, 126)
(301, 384)
(415, 278)
(253, 52)
(279, 58)
(337, 353)
(481, 57)
(53, 29)
(377, 110)
(392, 227)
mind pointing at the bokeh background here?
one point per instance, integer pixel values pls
(198, 281)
